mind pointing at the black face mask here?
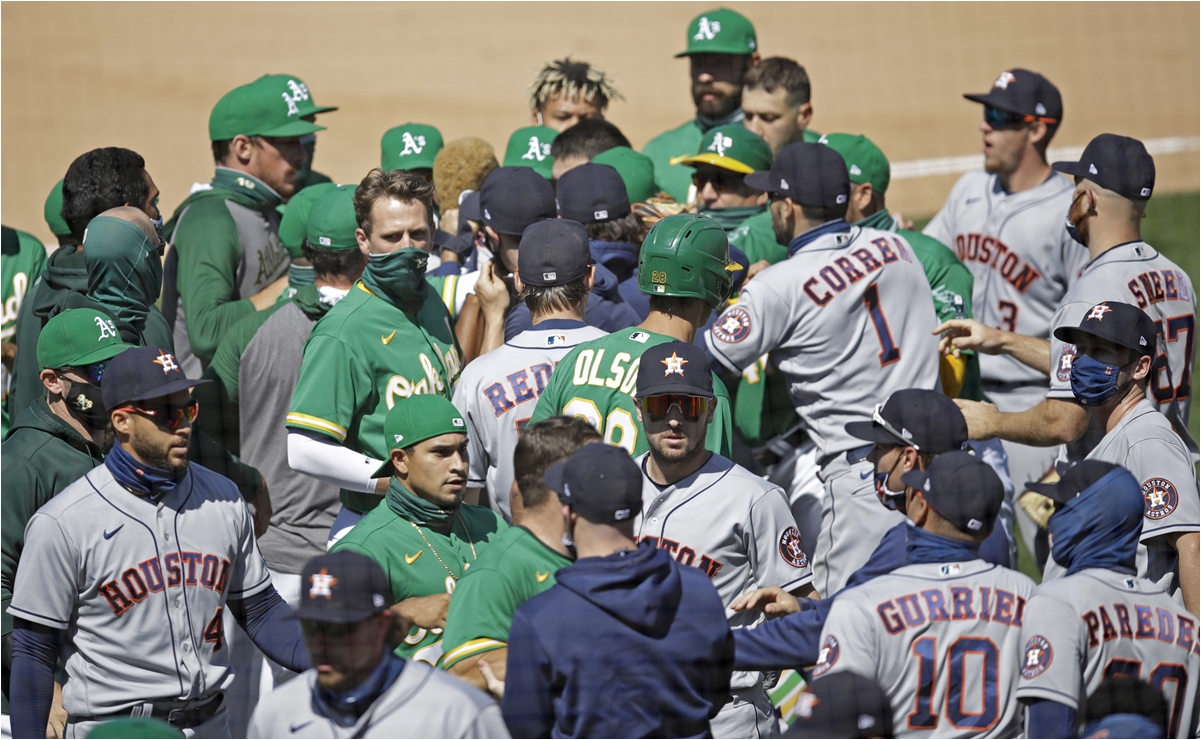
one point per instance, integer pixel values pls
(87, 405)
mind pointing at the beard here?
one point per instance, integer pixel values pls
(1078, 215)
(722, 105)
(675, 457)
(156, 457)
(780, 229)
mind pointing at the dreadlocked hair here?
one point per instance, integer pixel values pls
(569, 78)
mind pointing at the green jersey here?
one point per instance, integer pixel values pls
(362, 356)
(595, 381)
(22, 261)
(674, 179)
(757, 239)
(516, 568)
(422, 562)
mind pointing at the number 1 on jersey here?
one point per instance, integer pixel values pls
(889, 352)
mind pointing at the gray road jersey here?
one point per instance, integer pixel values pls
(422, 702)
(733, 525)
(303, 508)
(262, 261)
(942, 640)
(1021, 257)
(842, 321)
(497, 393)
(1137, 274)
(139, 588)
(1096, 623)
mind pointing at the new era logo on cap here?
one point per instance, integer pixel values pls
(783, 184)
(1145, 192)
(840, 199)
(1040, 109)
(855, 170)
(398, 437)
(1092, 168)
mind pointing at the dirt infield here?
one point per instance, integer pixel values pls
(145, 75)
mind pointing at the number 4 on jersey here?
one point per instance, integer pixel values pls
(214, 631)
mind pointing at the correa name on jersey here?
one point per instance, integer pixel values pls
(832, 275)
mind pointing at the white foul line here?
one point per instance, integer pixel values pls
(959, 165)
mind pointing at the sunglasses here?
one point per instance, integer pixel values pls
(171, 417)
(720, 180)
(312, 628)
(904, 441)
(94, 372)
(1003, 119)
(658, 407)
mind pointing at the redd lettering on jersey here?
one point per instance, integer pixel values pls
(519, 390)
(1155, 286)
(1107, 631)
(1158, 623)
(906, 611)
(833, 278)
(991, 251)
(1123, 620)
(146, 578)
(684, 555)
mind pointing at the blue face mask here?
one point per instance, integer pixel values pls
(1094, 382)
(158, 227)
(1074, 228)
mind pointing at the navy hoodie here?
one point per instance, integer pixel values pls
(629, 645)
(605, 309)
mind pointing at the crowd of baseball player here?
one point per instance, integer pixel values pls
(587, 442)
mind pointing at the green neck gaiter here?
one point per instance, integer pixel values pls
(300, 276)
(881, 220)
(247, 189)
(732, 218)
(398, 277)
(125, 274)
(407, 505)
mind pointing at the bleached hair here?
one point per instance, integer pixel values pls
(569, 78)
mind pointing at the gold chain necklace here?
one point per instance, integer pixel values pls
(439, 557)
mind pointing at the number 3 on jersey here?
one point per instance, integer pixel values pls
(618, 428)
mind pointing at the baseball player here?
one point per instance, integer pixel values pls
(941, 635)
(498, 391)
(522, 563)
(1005, 224)
(1099, 620)
(411, 147)
(530, 147)
(359, 688)
(129, 571)
(684, 266)
(292, 228)
(307, 108)
(842, 325)
(711, 513)
(22, 261)
(564, 93)
(721, 49)
(422, 534)
(390, 338)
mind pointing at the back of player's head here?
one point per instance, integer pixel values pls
(813, 176)
(686, 256)
(774, 73)
(963, 491)
(587, 139)
(925, 420)
(543, 444)
(463, 164)
(554, 262)
(1120, 701)
(567, 78)
(397, 184)
(99, 180)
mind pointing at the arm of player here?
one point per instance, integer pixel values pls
(469, 670)
(759, 323)
(961, 334)
(320, 457)
(528, 702)
(1186, 546)
(494, 299)
(1046, 718)
(1051, 421)
(774, 545)
(35, 655)
(790, 642)
(427, 612)
(273, 628)
(848, 640)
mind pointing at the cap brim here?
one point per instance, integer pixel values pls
(726, 163)
(100, 355)
(870, 432)
(322, 109)
(859, 454)
(553, 478)
(915, 479)
(470, 207)
(673, 389)
(290, 129)
(760, 181)
(1073, 334)
(998, 102)
(166, 390)
(335, 616)
(1076, 169)
(384, 471)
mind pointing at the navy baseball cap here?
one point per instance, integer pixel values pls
(601, 482)
(553, 252)
(927, 421)
(812, 174)
(1117, 163)
(141, 373)
(592, 193)
(843, 704)
(1025, 93)
(1121, 323)
(469, 206)
(1074, 481)
(962, 489)
(512, 198)
(343, 586)
(674, 367)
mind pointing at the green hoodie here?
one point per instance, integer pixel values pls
(23, 260)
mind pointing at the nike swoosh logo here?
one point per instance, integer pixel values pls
(109, 535)
(865, 476)
(970, 201)
(542, 576)
(388, 338)
(299, 727)
(410, 559)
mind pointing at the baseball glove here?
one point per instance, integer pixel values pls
(1039, 507)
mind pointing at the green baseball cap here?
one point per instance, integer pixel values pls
(416, 419)
(732, 148)
(530, 147)
(412, 146)
(134, 727)
(332, 222)
(53, 209)
(637, 171)
(720, 31)
(302, 96)
(865, 161)
(294, 226)
(269, 106)
(79, 337)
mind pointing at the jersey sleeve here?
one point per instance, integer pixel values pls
(332, 387)
(777, 557)
(480, 613)
(757, 324)
(1170, 502)
(1053, 652)
(848, 641)
(249, 575)
(477, 465)
(1062, 353)
(48, 578)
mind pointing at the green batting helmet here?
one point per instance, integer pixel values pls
(687, 255)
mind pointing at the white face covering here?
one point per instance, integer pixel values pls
(330, 296)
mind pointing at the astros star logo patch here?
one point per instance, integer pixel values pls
(1098, 312)
(1159, 498)
(167, 360)
(1004, 80)
(675, 364)
(827, 657)
(1038, 656)
(791, 548)
(320, 584)
(733, 327)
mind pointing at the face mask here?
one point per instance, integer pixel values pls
(158, 227)
(1094, 382)
(87, 405)
(887, 496)
(1074, 228)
